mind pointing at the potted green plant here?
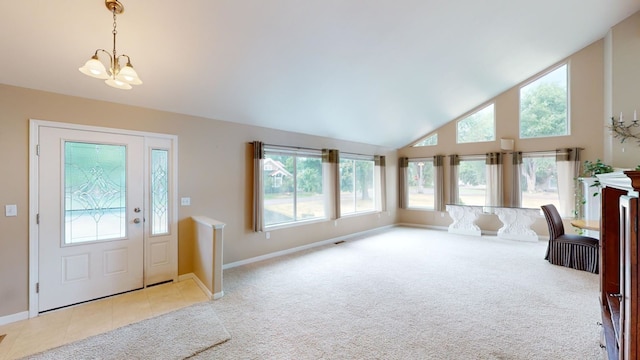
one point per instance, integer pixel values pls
(590, 209)
(591, 169)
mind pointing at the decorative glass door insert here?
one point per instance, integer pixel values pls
(159, 191)
(95, 186)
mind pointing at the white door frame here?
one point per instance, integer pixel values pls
(34, 127)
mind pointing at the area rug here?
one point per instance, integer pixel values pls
(175, 335)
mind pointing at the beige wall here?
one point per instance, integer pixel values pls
(215, 167)
(624, 87)
(214, 170)
(586, 78)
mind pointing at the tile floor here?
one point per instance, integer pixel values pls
(78, 322)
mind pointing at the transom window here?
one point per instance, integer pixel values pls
(544, 105)
(431, 140)
(477, 127)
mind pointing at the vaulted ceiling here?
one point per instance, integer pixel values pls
(380, 72)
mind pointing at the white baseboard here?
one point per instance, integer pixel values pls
(24, 315)
(199, 283)
(303, 247)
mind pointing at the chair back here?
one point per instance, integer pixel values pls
(554, 221)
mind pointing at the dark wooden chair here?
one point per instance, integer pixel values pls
(570, 250)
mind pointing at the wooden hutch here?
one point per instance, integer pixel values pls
(619, 275)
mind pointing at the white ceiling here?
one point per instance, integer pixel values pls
(375, 71)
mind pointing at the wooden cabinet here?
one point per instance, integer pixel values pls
(619, 253)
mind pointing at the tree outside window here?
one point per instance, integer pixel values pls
(421, 184)
(472, 182)
(539, 183)
(292, 188)
(477, 127)
(430, 140)
(544, 106)
(357, 192)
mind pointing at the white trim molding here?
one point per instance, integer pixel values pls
(301, 248)
(14, 317)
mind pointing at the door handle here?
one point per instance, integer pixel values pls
(136, 221)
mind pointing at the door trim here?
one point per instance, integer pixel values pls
(34, 128)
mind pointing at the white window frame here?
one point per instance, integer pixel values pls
(568, 99)
(374, 185)
(474, 112)
(432, 206)
(296, 153)
(539, 154)
(462, 159)
(426, 141)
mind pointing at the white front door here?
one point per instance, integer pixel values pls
(91, 215)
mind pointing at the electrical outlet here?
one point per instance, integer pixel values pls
(185, 201)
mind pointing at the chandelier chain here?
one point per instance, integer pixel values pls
(114, 32)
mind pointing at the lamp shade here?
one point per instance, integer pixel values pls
(94, 68)
(117, 84)
(129, 75)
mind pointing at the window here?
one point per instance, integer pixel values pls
(293, 189)
(544, 105)
(539, 180)
(477, 127)
(420, 181)
(95, 192)
(159, 191)
(357, 184)
(428, 141)
(472, 180)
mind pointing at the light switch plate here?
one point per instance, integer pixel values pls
(11, 210)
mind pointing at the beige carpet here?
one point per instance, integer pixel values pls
(175, 335)
(410, 293)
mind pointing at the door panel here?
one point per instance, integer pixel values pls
(90, 236)
(161, 227)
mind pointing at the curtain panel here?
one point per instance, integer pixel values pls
(494, 193)
(380, 172)
(568, 165)
(258, 186)
(331, 174)
(454, 164)
(403, 185)
(516, 169)
(438, 183)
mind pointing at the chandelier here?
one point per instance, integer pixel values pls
(120, 77)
